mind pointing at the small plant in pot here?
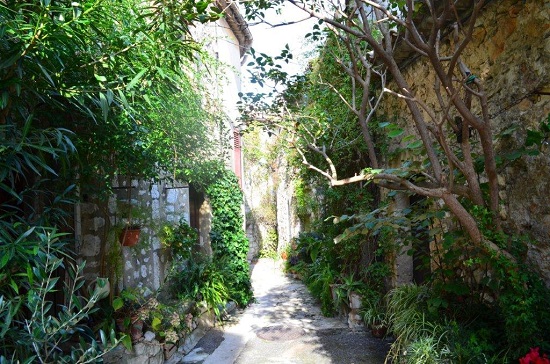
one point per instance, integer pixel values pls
(127, 319)
(132, 214)
(374, 315)
(129, 236)
(347, 288)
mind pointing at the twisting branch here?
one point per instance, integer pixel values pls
(367, 26)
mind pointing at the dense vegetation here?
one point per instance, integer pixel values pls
(475, 298)
(88, 90)
(229, 243)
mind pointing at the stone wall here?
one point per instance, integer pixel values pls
(259, 189)
(148, 349)
(269, 193)
(288, 223)
(510, 52)
(137, 202)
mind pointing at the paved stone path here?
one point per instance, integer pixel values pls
(285, 325)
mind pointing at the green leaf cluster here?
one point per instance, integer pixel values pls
(201, 279)
(180, 239)
(88, 90)
(229, 242)
(32, 328)
(120, 74)
(35, 259)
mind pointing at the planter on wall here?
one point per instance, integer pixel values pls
(129, 236)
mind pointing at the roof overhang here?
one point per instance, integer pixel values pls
(237, 24)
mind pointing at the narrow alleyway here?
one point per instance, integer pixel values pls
(285, 325)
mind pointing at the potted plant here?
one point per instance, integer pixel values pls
(346, 291)
(127, 318)
(374, 316)
(129, 236)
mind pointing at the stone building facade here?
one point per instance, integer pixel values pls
(153, 204)
(149, 205)
(510, 52)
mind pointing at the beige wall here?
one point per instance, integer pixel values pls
(511, 53)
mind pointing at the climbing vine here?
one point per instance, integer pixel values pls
(229, 243)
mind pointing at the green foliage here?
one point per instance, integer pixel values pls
(323, 119)
(201, 279)
(373, 310)
(420, 338)
(125, 85)
(319, 279)
(375, 274)
(193, 275)
(266, 212)
(333, 127)
(119, 74)
(35, 263)
(476, 342)
(304, 200)
(30, 159)
(269, 245)
(347, 285)
(537, 137)
(536, 141)
(254, 153)
(477, 306)
(466, 331)
(171, 321)
(523, 308)
(492, 312)
(229, 243)
(32, 328)
(180, 239)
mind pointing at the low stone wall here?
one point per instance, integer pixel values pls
(148, 349)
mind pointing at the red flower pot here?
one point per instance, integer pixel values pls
(379, 331)
(129, 236)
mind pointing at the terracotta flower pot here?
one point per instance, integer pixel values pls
(379, 331)
(130, 325)
(136, 330)
(129, 236)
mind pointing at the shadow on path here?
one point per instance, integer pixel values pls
(285, 325)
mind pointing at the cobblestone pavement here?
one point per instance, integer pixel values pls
(285, 325)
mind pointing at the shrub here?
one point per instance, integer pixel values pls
(32, 327)
(180, 239)
(229, 243)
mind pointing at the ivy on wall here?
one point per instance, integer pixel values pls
(80, 104)
(229, 243)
